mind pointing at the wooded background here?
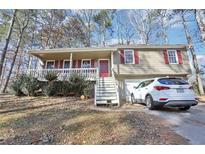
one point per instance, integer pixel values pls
(23, 30)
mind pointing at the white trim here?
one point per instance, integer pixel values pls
(85, 60)
(133, 56)
(71, 60)
(112, 64)
(64, 62)
(50, 61)
(175, 51)
(108, 66)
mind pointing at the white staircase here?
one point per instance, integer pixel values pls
(106, 91)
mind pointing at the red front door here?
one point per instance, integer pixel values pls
(104, 72)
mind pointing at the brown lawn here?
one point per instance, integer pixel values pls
(43, 120)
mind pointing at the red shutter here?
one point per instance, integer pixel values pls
(79, 63)
(136, 55)
(122, 58)
(61, 63)
(179, 55)
(74, 63)
(166, 60)
(92, 63)
(56, 63)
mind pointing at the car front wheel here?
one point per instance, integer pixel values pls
(149, 102)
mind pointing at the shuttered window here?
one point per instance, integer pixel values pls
(172, 57)
(129, 56)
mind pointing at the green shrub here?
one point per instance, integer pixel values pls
(52, 88)
(89, 88)
(65, 88)
(77, 84)
(31, 85)
(26, 85)
(49, 89)
(17, 86)
(51, 76)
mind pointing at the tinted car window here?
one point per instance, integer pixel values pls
(140, 85)
(172, 81)
(145, 83)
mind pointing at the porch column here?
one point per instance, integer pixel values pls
(71, 60)
(112, 64)
(30, 62)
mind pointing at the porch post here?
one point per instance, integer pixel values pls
(30, 62)
(112, 64)
(71, 59)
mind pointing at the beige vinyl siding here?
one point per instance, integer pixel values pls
(151, 62)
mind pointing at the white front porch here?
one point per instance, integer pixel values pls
(63, 74)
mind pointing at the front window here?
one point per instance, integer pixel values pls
(129, 57)
(66, 64)
(172, 54)
(86, 64)
(50, 64)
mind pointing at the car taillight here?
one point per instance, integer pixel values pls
(163, 99)
(161, 88)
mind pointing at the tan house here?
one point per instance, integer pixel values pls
(114, 68)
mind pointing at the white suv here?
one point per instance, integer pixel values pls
(166, 91)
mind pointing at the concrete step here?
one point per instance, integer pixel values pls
(106, 102)
(105, 92)
(106, 89)
(107, 80)
(106, 95)
(106, 83)
(106, 98)
(106, 86)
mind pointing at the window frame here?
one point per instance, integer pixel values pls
(133, 57)
(64, 63)
(50, 61)
(175, 52)
(85, 60)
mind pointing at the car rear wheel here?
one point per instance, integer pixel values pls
(132, 98)
(184, 108)
(149, 102)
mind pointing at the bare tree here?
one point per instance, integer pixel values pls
(7, 41)
(125, 32)
(182, 14)
(163, 19)
(200, 18)
(22, 23)
(145, 24)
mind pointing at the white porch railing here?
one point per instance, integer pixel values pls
(88, 73)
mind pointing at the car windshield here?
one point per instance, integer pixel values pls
(172, 81)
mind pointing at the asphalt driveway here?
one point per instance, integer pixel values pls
(189, 124)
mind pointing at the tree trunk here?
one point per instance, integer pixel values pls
(7, 42)
(13, 61)
(200, 18)
(19, 63)
(193, 55)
